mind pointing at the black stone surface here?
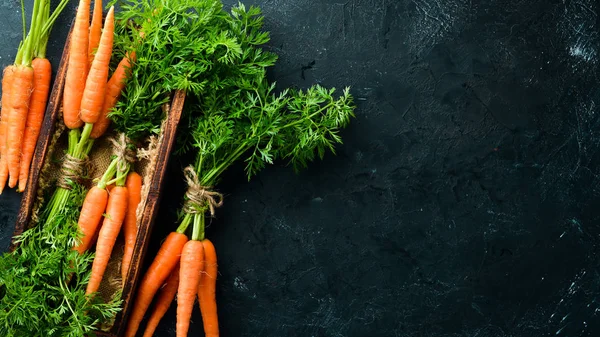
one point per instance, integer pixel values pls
(464, 201)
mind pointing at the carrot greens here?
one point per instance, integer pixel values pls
(36, 297)
(242, 117)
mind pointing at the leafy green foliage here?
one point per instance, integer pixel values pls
(192, 46)
(241, 117)
(263, 127)
(43, 282)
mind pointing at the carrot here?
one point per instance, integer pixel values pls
(163, 302)
(77, 66)
(114, 87)
(166, 259)
(7, 80)
(134, 186)
(42, 73)
(21, 90)
(192, 262)
(95, 29)
(90, 216)
(207, 291)
(111, 226)
(95, 85)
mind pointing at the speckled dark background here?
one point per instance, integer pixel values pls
(464, 201)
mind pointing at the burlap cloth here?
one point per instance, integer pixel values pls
(99, 159)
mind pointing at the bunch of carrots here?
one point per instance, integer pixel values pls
(25, 89)
(184, 268)
(111, 204)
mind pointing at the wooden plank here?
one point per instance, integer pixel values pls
(150, 211)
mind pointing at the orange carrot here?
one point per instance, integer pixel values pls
(114, 87)
(111, 226)
(7, 81)
(42, 73)
(165, 261)
(95, 29)
(134, 186)
(95, 85)
(90, 216)
(77, 66)
(163, 302)
(20, 95)
(207, 291)
(191, 267)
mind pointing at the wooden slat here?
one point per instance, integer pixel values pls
(150, 211)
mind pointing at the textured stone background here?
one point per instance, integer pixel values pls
(464, 201)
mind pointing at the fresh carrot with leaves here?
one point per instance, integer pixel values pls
(114, 87)
(163, 302)
(77, 67)
(207, 291)
(42, 72)
(7, 80)
(165, 261)
(20, 95)
(192, 263)
(92, 100)
(111, 226)
(95, 29)
(134, 186)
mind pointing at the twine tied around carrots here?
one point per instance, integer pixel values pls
(198, 196)
(71, 171)
(122, 151)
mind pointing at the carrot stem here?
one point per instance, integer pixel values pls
(50, 22)
(110, 172)
(37, 22)
(114, 181)
(85, 136)
(23, 20)
(198, 231)
(185, 223)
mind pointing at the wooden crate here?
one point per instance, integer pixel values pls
(43, 153)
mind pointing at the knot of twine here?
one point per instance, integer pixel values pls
(198, 196)
(150, 151)
(122, 150)
(72, 170)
